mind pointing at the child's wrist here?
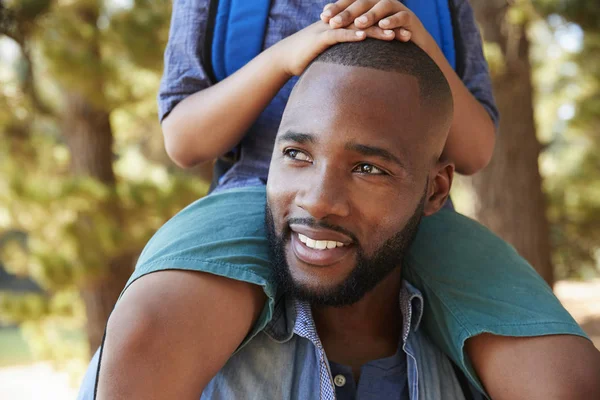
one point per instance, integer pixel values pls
(277, 60)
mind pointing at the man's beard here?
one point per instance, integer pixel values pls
(367, 273)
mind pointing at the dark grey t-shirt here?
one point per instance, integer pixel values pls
(184, 74)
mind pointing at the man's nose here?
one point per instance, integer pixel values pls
(324, 194)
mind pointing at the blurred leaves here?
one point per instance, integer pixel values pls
(585, 13)
(57, 229)
(567, 59)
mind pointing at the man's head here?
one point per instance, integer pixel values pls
(355, 166)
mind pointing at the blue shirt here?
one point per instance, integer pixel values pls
(185, 75)
(287, 361)
(385, 378)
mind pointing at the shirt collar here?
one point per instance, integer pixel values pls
(411, 306)
(293, 316)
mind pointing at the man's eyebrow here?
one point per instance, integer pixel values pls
(367, 150)
(291, 136)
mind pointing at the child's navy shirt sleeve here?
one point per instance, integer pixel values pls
(183, 72)
(472, 68)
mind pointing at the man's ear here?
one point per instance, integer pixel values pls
(439, 187)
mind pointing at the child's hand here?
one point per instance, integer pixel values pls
(295, 52)
(386, 14)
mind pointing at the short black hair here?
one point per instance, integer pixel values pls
(395, 56)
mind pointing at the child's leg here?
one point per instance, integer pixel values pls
(171, 333)
(475, 283)
(181, 317)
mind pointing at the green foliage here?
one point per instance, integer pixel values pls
(19, 308)
(13, 348)
(29, 10)
(585, 13)
(141, 32)
(60, 230)
(570, 77)
(69, 237)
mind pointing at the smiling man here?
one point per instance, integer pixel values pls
(352, 173)
(355, 167)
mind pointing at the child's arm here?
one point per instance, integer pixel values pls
(212, 121)
(472, 135)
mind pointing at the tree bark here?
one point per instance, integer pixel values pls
(89, 136)
(88, 133)
(509, 197)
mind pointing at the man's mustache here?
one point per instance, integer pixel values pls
(312, 223)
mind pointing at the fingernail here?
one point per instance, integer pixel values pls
(385, 22)
(404, 32)
(337, 19)
(360, 33)
(327, 13)
(363, 19)
(388, 32)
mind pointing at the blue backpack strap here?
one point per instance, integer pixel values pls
(238, 31)
(437, 19)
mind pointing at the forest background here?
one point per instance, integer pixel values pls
(85, 181)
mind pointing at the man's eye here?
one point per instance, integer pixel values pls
(368, 169)
(296, 155)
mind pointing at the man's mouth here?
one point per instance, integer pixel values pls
(318, 247)
(319, 244)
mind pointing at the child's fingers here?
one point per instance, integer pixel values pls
(326, 15)
(333, 9)
(333, 36)
(379, 11)
(349, 15)
(402, 34)
(397, 20)
(376, 32)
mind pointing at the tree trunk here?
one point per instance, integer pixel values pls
(87, 130)
(89, 136)
(509, 197)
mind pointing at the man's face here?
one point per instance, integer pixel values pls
(348, 181)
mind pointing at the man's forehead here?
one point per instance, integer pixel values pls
(349, 99)
(367, 82)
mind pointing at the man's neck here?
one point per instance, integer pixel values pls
(366, 330)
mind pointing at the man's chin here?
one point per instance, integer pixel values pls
(316, 291)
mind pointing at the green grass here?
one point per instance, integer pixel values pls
(13, 348)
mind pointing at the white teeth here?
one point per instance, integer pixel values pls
(319, 244)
